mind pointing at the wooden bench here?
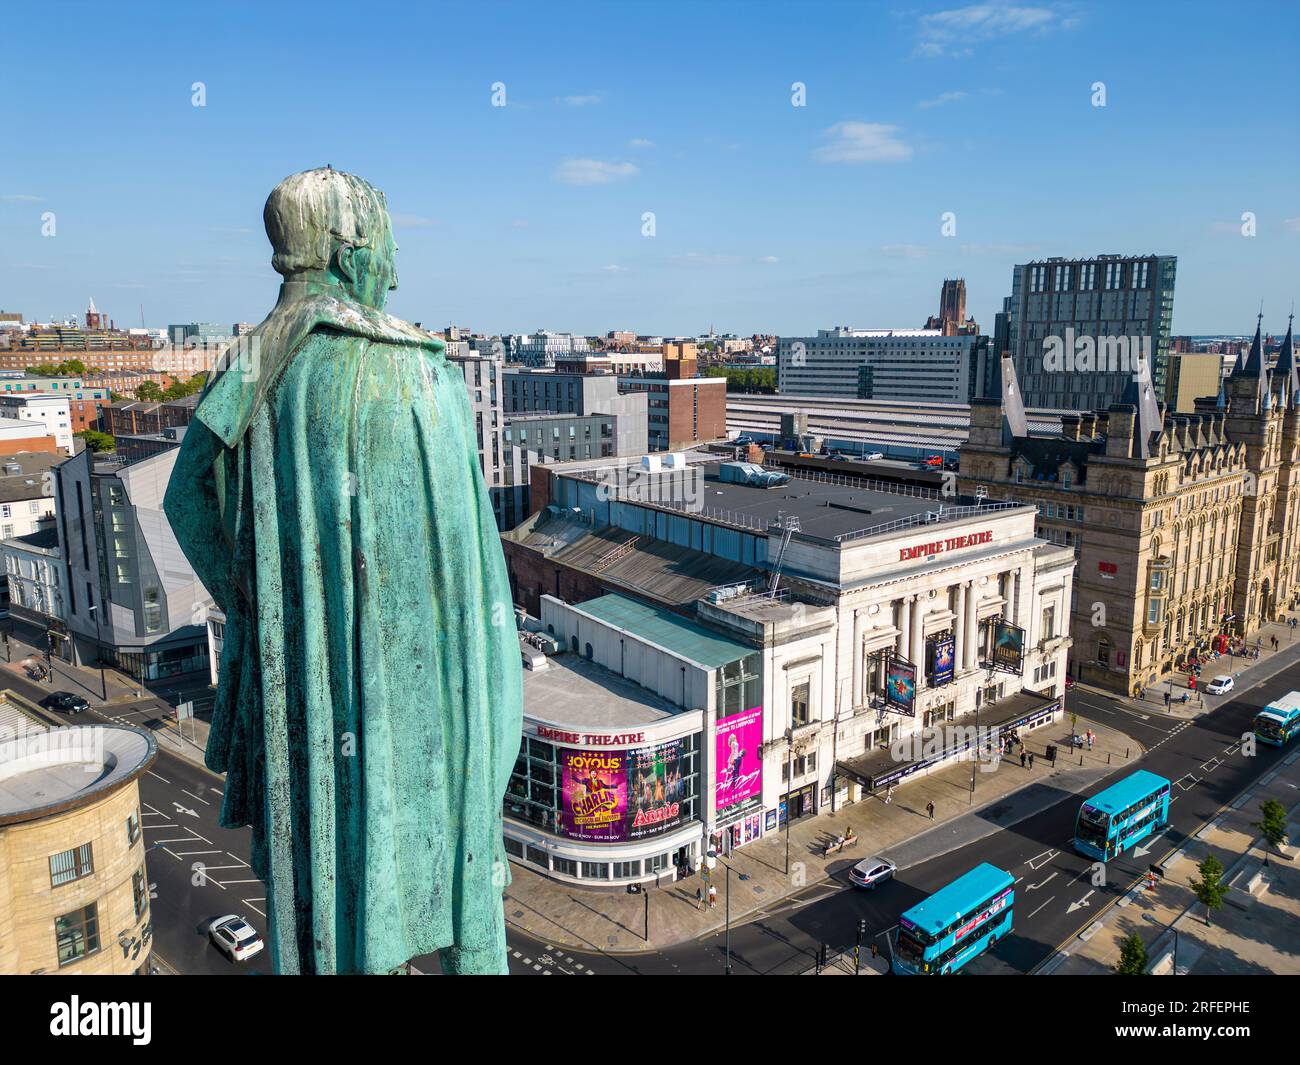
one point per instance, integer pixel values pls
(836, 847)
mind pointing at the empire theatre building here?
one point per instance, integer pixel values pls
(876, 625)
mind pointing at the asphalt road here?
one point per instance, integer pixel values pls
(1055, 894)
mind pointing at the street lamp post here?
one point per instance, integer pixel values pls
(727, 866)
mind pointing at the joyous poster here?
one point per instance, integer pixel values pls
(942, 650)
(594, 785)
(739, 766)
(656, 788)
(900, 685)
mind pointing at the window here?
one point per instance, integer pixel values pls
(799, 697)
(1049, 622)
(567, 866)
(595, 871)
(624, 869)
(141, 892)
(68, 866)
(132, 828)
(77, 934)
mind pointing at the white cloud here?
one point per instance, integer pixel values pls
(640, 142)
(769, 259)
(944, 98)
(863, 142)
(584, 100)
(614, 268)
(952, 32)
(593, 172)
(20, 198)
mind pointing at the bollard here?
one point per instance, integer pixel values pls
(1108, 757)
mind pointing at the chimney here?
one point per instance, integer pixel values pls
(1070, 426)
(1119, 438)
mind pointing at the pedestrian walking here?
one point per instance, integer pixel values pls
(1091, 736)
(1031, 759)
(1167, 700)
(699, 897)
(1022, 759)
(889, 794)
(929, 809)
(713, 895)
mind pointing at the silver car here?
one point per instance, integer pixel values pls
(871, 871)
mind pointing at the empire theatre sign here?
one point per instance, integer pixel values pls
(939, 547)
(589, 739)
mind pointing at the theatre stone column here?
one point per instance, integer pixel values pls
(959, 628)
(972, 626)
(905, 627)
(918, 642)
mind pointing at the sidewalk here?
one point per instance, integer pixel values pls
(128, 701)
(1246, 672)
(1255, 932)
(612, 921)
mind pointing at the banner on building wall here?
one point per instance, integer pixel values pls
(738, 766)
(594, 795)
(656, 788)
(1008, 647)
(900, 686)
(943, 652)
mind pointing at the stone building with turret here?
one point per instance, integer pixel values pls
(1184, 525)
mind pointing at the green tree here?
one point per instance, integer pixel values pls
(1210, 889)
(1273, 826)
(1132, 956)
(149, 392)
(181, 389)
(97, 441)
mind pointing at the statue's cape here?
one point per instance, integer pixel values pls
(253, 363)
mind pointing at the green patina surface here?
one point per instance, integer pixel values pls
(328, 495)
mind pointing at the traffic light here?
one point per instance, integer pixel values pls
(862, 926)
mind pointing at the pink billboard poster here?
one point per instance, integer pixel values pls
(595, 794)
(739, 768)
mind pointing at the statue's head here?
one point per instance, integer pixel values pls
(332, 228)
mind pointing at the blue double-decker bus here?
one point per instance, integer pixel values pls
(1125, 813)
(955, 924)
(1278, 722)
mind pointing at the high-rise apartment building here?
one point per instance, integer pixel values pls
(920, 364)
(1076, 327)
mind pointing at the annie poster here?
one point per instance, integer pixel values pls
(594, 785)
(739, 766)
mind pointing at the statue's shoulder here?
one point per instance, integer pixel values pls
(344, 316)
(232, 398)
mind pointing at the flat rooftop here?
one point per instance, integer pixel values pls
(823, 508)
(575, 693)
(45, 770)
(665, 629)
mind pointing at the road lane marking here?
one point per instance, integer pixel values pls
(1031, 916)
(1035, 887)
(1083, 902)
(199, 797)
(153, 774)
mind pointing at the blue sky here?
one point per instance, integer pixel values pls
(768, 217)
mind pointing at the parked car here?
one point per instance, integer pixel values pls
(1220, 685)
(871, 871)
(934, 460)
(1069, 682)
(874, 456)
(235, 937)
(67, 702)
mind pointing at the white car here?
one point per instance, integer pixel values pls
(871, 871)
(1220, 686)
(235, 937)
(874, 456)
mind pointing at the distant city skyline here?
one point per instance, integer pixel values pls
(767, 217)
